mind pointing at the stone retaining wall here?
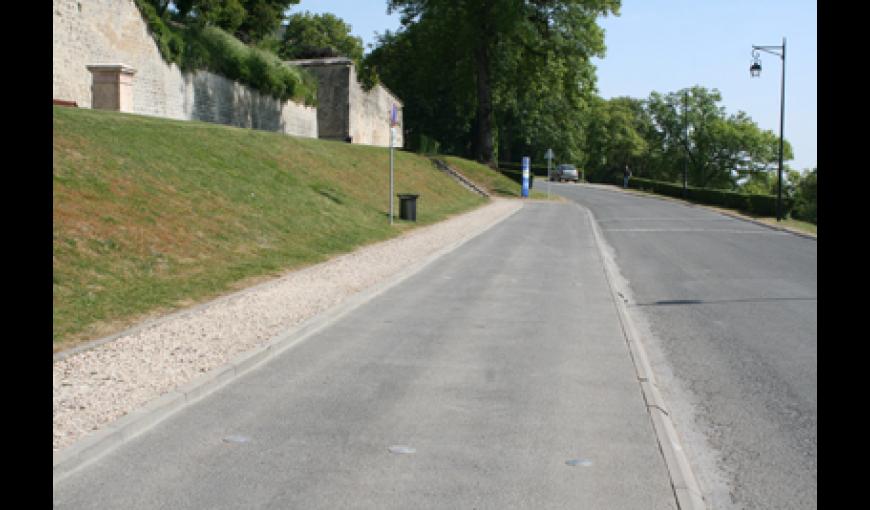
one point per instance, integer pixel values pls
(90, 32)
(346, 110)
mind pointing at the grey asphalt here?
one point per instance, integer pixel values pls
(732, 309)
(500, 370)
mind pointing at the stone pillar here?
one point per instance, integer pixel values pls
(112, 87)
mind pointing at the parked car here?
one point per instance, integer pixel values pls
(565, 172)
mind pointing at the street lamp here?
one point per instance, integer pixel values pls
(755, 71)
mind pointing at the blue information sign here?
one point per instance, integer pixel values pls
(526, 168)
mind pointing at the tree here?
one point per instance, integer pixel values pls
(437, 90)
(806, 197)
(501, 40)
(263, 18)
(249, 20)
(618, 134)
(319, 35)
(720, 148)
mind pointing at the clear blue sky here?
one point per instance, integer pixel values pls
(667, 45)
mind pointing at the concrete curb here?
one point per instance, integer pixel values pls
(92, 447)
(723, 212)
(687, 491)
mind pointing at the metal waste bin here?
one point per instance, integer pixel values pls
(408, 206)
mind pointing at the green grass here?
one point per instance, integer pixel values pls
(803, 226)
(150, 215)
(493, 182)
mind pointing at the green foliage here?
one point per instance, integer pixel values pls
(495, 78)
(539, 170)
(615, 132)
(686, 131)
(426, 145)
(169, 42)
(202, 46)
(213, 49)
(263, 18)
(761, 205)
(319, 35)
(250, 21)
(806, 198)
(310, 35)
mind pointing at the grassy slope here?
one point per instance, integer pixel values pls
(151, 214)
(494, 182)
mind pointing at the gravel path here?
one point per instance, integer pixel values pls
(95, 387)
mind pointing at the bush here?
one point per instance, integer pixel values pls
(539, 170)
(517, 176)
(214, 50)
(762, 205)
(806, 201)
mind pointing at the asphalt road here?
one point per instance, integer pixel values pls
(730, 308)
(497, 377)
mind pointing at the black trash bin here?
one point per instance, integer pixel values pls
(408, 206)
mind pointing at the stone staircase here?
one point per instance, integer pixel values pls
(458, 177)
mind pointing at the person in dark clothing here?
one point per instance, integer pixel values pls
(625, 175)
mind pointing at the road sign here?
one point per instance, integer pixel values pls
(526, 168)
(549, 154)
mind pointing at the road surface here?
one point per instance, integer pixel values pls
(497, 377)
(731, 310)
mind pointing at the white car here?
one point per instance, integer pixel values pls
(565, 172)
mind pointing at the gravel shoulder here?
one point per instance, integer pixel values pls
(93, 387)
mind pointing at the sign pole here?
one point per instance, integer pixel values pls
(391, 175)
(549, 160)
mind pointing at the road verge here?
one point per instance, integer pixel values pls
(683, 481)
(101, 442)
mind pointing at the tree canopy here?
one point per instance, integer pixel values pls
(661, 136)
(498, 74)
(319, 35)
(249, 20)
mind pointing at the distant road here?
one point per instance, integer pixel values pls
(732, 309)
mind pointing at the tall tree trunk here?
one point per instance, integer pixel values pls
(484, 143)
(483, 12)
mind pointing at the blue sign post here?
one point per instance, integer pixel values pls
(526, 168)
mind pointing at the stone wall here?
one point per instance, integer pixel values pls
(345, 110)
(333, 92)
(113, 31)
(370, 115)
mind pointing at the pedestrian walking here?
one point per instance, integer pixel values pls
(625, 175)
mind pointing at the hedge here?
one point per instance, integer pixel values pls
(517, 176)
(762, 205)
(539, 170)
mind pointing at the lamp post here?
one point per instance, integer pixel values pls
(755, 71)
(686, 134)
